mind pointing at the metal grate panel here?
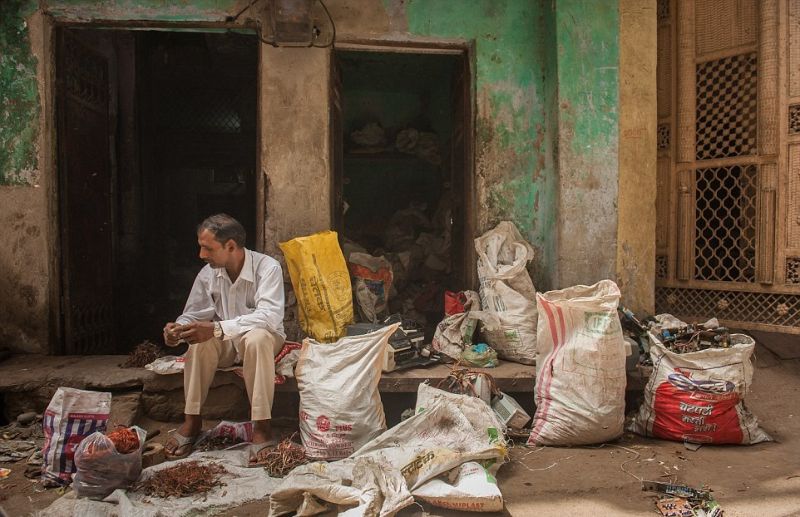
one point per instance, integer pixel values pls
(726, 122)
(779, 310)
(663, 137)
(725, 223)
(661, 267)
(202, 110)
(793, 270)
(794, 118)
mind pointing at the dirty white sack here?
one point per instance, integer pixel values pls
(242, 484)
(340, 405)
(580, 370)
(379, 478)
(455, 332)
(507, 290)
(698, 397)
(467, 488)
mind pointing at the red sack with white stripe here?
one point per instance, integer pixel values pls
(580, 367)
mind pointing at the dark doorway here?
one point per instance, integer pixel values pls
(403, 179)
(171, 139)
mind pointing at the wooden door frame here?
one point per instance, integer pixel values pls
(466, 50)
(51, 181)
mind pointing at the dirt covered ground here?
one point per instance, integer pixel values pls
(762, 480)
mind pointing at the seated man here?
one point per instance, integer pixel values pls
(234, 313)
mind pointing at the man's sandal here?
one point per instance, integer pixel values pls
(255, 450)
(181, 442)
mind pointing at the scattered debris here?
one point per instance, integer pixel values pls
(143, 354)
(683, 501)
(284, 457)
(183, 480)
(15, 450)
(693, 338)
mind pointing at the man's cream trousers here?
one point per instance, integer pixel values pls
(257, 350)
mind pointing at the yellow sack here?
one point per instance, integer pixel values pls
(321, 283)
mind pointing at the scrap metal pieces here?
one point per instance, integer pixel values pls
(683, 501)
(183, 480)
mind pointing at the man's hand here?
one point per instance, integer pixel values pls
(171, 337)
(196, 332)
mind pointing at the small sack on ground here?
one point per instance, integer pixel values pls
(102, 467)
(455, 332)
(507, 291)
(340, 406)
(321, 284)
(698, 397)
(580, 370)
(71, 416)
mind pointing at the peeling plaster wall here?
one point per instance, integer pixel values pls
(588, 127)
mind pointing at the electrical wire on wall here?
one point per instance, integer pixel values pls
(315, 31)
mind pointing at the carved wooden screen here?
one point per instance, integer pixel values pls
(728, 204)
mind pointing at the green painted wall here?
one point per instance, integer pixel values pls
(19, 96)
(514, 147)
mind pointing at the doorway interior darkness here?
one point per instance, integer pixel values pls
(156, 131)
(402, 182)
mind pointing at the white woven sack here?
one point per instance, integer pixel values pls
(340, 406)
(580, 370)
(698, 397)
(507, 291)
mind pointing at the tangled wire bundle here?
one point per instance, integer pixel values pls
(283, 458)
(183, 480)
(145, 353)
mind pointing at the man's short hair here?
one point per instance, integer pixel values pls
(224, 228)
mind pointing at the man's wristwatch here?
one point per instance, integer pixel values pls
(218, 333)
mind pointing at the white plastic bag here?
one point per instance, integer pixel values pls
(580, 370)
(468, 488)
(102, 469)
(372, 282)
(455, 332)
(698, 397)
(71, 416)
(340, 405)
(507, 290)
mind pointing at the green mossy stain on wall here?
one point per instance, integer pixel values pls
(19, 96)
(509, 88)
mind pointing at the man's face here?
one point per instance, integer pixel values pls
(212, 251)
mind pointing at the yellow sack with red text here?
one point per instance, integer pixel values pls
(321, 284)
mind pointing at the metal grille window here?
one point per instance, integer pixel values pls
(661, 267)
(793, 270)
(663, 137)
(205, 111)
(725, 224)
(726, 107)
(794, 118)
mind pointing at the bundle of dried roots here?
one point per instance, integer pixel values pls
(182, 480)
(145, 353)
(283, 458)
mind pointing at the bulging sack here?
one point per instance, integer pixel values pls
(102, 469)
(698, 397)
(71, 416)
(321, 283)
(507, 291)
(340, 406)
(580, 369)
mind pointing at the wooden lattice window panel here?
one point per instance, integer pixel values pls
(793, 270)
(726, 107)
(663, 11)
(782, 310)
(663, 137)
(661, 267)
(725, 223)
(794, 118)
